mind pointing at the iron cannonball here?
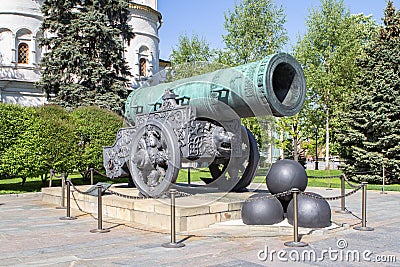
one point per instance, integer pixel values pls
(284, 175)
(285, 202)
(262, 211)
(312, 212)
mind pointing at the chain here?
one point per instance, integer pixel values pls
(331, 198)
(183, 194)
(269, 196)
(126, 196)
(53, 173)
(79, 191)
(96, 171)
(349, 183)
(324, 177)
(351, 213)
(77, 204)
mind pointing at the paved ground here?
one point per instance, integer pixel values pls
(31, 234)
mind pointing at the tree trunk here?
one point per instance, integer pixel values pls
(295, 149)
(281, 150)
(327, 141)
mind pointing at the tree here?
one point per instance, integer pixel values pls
(192, 56)
(254, 30)
(95, 128)
(191, 49)
(47, 142)
(371, 141)
(334, 39)
(84, 64)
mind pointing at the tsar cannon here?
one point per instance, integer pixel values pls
(198, 119)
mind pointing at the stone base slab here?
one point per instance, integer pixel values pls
(192, 212)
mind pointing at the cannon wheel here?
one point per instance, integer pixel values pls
(247, 164)
(155, 158)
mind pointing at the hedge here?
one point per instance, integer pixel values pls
(35, 140)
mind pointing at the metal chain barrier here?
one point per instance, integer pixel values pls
(174, 193)
(98, 172)
(232, 200)
(68, 208)
(83, 192)
(332, 198)
(53, 174)
(126, 196)
(324, 177)
(349, 183)
(100, 228)
(354, 215)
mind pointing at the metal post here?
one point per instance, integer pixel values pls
(383, 180)
(173, 243)
(295, 242)
(62, 201)
(189, 175)
(99, 212)
(363, 226)
(68, 217)
(91, 176)
(51, 177)
(316, 148)
(342, 194)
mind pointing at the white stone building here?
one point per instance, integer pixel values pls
(20, 53)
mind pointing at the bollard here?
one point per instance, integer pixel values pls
(62, 202)
(99, 213)
(189, 175)
(91, 176)
(173, 243)
(295, 242)
(383, 180)
(68, 217)
(363, 226)
(342, 194)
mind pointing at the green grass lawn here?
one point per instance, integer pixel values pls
(13, 186)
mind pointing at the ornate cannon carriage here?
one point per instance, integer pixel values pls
(198, 119)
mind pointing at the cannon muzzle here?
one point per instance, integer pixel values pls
(274, 85)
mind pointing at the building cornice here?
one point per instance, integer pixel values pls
(147, 34)
(147, 9)
(19, 13)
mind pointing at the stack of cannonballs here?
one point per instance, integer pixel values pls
(265, 209)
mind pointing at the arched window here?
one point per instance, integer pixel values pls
(143, 70)
(23, 53)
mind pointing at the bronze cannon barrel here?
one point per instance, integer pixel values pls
(274, 85)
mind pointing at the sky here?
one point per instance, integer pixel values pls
(206, 18)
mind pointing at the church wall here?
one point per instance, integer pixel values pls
(145, 44)
(21, 93)
(17, 79)
(23, 29)
(20, 22)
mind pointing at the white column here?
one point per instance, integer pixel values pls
(32, 54)
(14, 57)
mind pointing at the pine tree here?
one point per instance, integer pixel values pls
(85, 63)
(372, 139)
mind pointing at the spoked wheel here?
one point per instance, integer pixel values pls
(236, 173)
(155, 158)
